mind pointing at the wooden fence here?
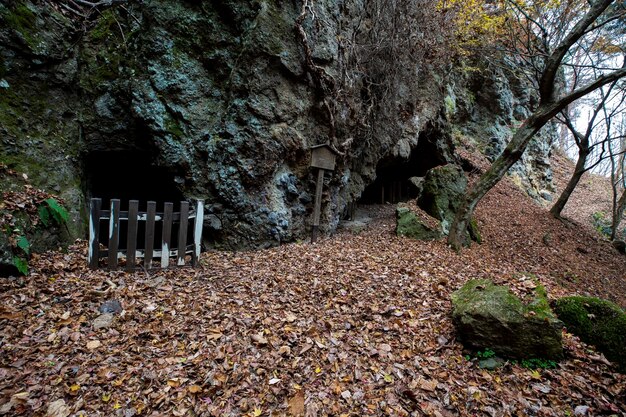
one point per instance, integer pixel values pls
(150, 217)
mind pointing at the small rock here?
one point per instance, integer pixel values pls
(581, 410)
(346, 395)
(111, 306)
(103, 321)
(490, 363)
(546, 195)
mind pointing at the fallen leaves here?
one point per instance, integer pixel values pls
(296, 404)
(93, 344)
(58, 408)
(355, 325)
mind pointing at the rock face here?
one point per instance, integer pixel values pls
(597, 322)
(487, 316)
(487, 108)
(217, 96)
(217, 100)
(408, 224)
(442, 190)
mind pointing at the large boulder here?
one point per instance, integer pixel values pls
(409, 225)
(488, 316)
(442, 190)
(598, 322)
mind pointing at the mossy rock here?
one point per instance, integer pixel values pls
(597, 322)
(442, 192)
(407, 224)
(488, 316)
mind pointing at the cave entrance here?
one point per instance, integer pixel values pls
(392, 183)
(130, 175)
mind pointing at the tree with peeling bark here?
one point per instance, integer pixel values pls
(551, 40)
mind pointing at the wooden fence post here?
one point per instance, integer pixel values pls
(197, 232)
(131, 239)
(182, 232)
(94, 232)
(114, 233)
(149, 254)
(167, 234)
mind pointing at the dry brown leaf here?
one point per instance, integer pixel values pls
(93, 344)
(296, 404)
(58, 408)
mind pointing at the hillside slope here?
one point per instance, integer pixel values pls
(358, 324)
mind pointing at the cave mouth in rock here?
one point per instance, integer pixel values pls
(130, 175)
(392, 183)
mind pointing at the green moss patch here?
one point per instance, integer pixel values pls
(598, 322)
(489, 316)
(409, 225)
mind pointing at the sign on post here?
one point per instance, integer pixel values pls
(323, 158)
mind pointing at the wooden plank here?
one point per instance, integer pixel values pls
(182, 232)
(167, 234)
(131, 239)
(150, 218)
(141, 216)
(140, 253)
(114, 233)
(197, 232)
(94, 232)
(318, 204)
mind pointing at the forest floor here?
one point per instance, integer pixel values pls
(357, 324)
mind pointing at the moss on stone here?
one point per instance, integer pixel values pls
(598, 322)
(21, 19)
(407, 224)
(474, 231)
(491, 316)
(540, 305)
(173, 127)
(104, 28)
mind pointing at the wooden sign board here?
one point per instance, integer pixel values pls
(323, 157)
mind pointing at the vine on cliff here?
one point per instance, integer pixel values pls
(384, 49)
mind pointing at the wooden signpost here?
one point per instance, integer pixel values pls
(323, 158)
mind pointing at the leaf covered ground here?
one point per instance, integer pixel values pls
(357, 324)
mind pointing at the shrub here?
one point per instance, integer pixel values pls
(602, 223)
(598, 322)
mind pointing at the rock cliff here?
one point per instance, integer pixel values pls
(222, 101)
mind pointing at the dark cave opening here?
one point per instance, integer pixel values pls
(131, 175)
(128, 175)
(392, 183)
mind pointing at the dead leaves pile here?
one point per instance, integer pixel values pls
(355, 325)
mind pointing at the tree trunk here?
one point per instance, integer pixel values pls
(458, 236)
(618, 214)
(557, 208)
